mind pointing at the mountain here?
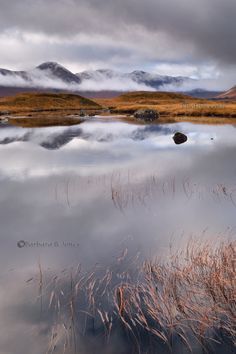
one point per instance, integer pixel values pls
(54, 76)
(58, 71)
(230, 94)
(157, 81)
(154, 81)
(48, 69)
(102, 74)
(49, 74)
(11, 74)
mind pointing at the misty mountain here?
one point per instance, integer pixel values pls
(154, 81)
(157, 81)
(55, 76)
(47, 74)
(17, 74)
(59, 72)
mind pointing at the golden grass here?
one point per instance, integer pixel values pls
(173, 107)
(46, 102)
(191, 298)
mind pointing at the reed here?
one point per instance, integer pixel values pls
(185, 301)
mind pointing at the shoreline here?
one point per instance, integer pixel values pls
(56, 119)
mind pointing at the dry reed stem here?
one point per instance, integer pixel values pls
(191, 295)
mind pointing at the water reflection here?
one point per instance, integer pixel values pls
(83, 194)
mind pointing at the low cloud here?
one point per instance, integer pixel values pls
(124, 84)
(37, 79)
(114, 84)
(219, 84)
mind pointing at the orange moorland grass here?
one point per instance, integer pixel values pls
(173, 107)
(46, 109)
(190, 298)
(45, 102)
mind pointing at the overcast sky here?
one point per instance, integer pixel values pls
(176, 37)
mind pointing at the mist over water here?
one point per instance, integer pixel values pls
(84, 194)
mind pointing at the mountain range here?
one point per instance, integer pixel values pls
(55, 76)
(51, 76)
(153, 81)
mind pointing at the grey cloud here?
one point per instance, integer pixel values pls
(207, 24)
(121, 33)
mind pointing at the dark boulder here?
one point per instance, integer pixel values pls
(82, 113)
(147, 115)
(180, 138)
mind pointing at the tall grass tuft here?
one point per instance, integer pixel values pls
(181, 305)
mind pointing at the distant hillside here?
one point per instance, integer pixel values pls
(200, 93)
(12, 91)
(151, 97)
(129, 102)
(41, 102)
(230, 94)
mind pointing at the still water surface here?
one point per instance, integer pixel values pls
(85, 193)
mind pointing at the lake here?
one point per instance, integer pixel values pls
(91, 193)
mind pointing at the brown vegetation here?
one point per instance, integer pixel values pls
(173, 107)
(47, 108)
(46, 102)
(230, 94)
(188, 299)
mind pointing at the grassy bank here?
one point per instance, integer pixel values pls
(46, 109)
(26, 103)
(43, 109)
(173, 107)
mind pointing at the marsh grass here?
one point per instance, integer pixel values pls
(40, 102)
(169, 306)
(173, 107)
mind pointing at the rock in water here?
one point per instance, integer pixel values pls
(82, 113)
(147, 115)
(180, 138)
